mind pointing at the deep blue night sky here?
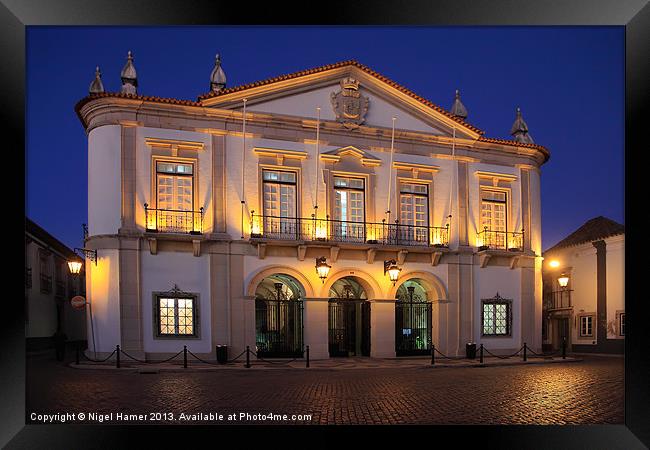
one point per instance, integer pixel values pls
(568, 81)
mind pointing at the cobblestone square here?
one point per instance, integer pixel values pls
(586, 392)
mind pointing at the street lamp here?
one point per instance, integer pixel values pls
(390, 266)
(563, 280)
(322, 268)
(75, 267)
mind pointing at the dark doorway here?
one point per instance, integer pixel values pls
(349, 320)
(412, 320)
(278, 318)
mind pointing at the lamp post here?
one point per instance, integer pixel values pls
(390, 267)
(322, 268)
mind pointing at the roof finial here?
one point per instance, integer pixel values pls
(129, 76)
(519, 129)
(96, 87)
(458, 109)
(217, 77)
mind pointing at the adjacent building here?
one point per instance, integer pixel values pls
(584, 289)
(49, 288)
(274, 215)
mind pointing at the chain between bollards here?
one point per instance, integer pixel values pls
(525, 348)
(564, 348)
(481, 353)
(248, 357)
(117, 360)
(307, 351)
(185, 357)
(433, 354)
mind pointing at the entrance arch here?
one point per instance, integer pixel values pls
(279, 316)
(413, 318)
(348, 318)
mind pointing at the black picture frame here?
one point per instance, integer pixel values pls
(634, 15)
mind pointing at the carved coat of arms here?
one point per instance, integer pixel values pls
(350, 106)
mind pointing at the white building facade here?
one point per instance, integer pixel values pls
(589, 311)
(208, 221)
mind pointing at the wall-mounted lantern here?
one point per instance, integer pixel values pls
(322, 268)
(390, 267)
(563, 280)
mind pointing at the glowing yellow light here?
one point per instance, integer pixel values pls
(437, 239)
(322, 268)
(555, 263)
(321, 232)
(256, 229)
(393, 273)
(75, 267)
(563, 280)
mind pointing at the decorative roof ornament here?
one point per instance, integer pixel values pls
(519, 130)
(458, 109)
(129, 76)
(349, 104)
(218, 76)
(96, 87)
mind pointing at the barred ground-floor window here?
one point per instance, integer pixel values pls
(176, 314)
(496, 316)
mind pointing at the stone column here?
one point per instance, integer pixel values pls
(219, 299)
(315, 323)
(463, 204)
(382, 328)
(531, 313)
(218, 183)
(130, 302)
(450, 312)
(238, 318)
(128, 156)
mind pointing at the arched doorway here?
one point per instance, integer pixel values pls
(413, 319)
(278, 317)
(349, 319)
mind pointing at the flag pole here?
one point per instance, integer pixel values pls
(243, 166)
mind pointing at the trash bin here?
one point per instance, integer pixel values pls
(470, 350)
(222, 354)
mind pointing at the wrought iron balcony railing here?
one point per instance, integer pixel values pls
(46, 284)
(500, 240)
(557, 300)
(331, 230)
(173, 221)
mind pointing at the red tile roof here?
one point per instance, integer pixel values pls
(354, 63)
(593, 230)
(324, 68)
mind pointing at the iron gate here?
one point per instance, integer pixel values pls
(278, 328)
(412, 328)
(344, 324)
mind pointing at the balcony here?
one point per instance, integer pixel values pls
(173, 221)
(340, 231)
(511, 241)
(557, 300)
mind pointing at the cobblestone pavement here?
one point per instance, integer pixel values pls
(586, 392)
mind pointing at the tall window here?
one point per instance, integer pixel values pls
(45, 271)
(349, 206)
(586, 326)
(176, 316)
(497, 317)
(414, 212)
(174, 186)
(280, 201)
(494, 217)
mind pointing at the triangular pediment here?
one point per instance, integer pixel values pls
(301, 93)
(366, 158)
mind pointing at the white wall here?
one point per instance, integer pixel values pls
(103, 289)
(104, 180)
(159, 274)
(615, 283)
(488, 281)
